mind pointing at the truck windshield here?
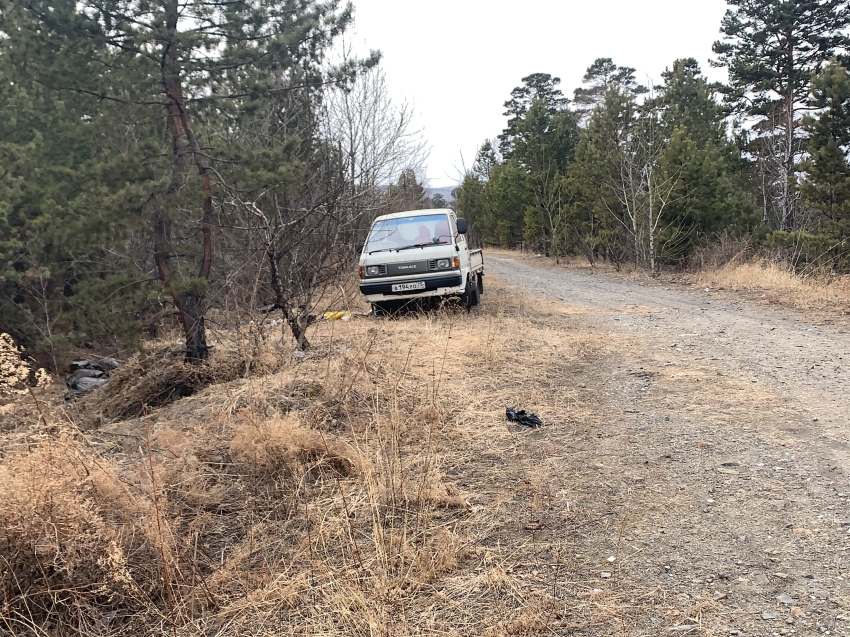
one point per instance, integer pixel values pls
(392, 234)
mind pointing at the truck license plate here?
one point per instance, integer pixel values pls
(408, 287)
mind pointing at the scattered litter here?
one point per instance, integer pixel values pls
(612, 559)
(87, 375)
(718, 596)
(606, 575)
(534, 525)
(523, 418)
(337, 316)
(684, 628)
(770, 615)
(785, 598)
(105, 364)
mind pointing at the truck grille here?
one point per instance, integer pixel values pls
(408, 268)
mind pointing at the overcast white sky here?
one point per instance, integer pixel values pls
(457, 60)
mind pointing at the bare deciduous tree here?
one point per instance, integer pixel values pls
(645, 191)
(344, 144)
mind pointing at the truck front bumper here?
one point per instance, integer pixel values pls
(446, 285)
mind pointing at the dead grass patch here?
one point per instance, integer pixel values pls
(779, 284)
(153, 377)
(371, 487)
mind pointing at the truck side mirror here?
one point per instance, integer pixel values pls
(461, 226)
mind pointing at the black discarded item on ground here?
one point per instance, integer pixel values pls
(523, 417)
(87, 375)
(105, 364)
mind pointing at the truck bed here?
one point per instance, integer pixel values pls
(476, 260)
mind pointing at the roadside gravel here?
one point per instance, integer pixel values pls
(727, 431)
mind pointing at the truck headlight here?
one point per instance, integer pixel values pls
(443, 264)
(373, 270)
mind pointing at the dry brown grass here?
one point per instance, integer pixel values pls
(155, 376)
(370, 488)
(779, 284)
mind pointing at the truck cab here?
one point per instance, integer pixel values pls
(419, 254)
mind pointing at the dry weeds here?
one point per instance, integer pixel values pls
(372, 487)
(779, 284)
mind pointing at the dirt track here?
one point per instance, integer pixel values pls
(732, 417)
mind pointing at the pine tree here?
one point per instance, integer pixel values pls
(485, 160)
(72, 187)
(601, 76)
(595, 175)
(772, 50)
(544, 146)
(438, 201)
(709, 195)
(507, 196)
(544, 141)
(159, 55)
(470, 203)
(826, 188)
(537, 86)
(471, 195)
(407, 193)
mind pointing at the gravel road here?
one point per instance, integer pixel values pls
(806, 364)
(731, 420)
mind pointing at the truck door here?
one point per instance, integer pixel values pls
(463, 246)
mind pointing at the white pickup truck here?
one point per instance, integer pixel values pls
(419, 254)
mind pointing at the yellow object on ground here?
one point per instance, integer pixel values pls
(336, 316)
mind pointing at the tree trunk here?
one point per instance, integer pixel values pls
(789, 221)
(189, 303)
(652, 225)
(299, 332)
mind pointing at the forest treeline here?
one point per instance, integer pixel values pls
(652, 175)
(166, 158)
(188, 161)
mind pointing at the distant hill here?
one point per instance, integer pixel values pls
(446, 191)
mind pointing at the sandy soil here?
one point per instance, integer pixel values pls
(726, 444)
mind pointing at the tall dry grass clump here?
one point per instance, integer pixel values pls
(779, 283)
(16, 372)
(77, 548)
(155, 376)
